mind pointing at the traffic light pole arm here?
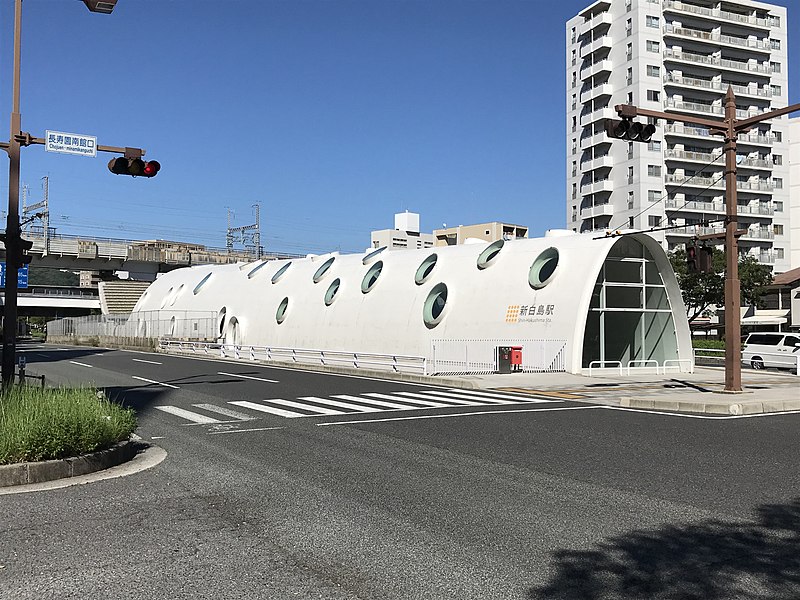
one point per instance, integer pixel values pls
(26, 139)
(746, 124)
(628, 111)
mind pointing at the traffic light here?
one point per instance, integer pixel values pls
(135, 167)
(691, 258)
(704, 259)
(15, 250)
(633, 131)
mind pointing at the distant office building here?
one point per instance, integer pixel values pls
(794, 190)
(490, 232)
(405, 234)
(89, 278)
(679, 57)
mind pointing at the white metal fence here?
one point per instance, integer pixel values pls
(461, 357)
(308, 356)
(150, 325)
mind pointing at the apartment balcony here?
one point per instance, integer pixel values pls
(598, 115)
(596, 68)
(604, 89)
(594, 45)
(600, 210)
(602, 18)
(715, 14)
(701, 132)
(695, 230)
(694, 107)
(767, 258)
(718, 183)
(593, 140)
(597, 163)
(715, 39)
(717, 86)
(603, 185)
(757, 210)
(701, 157)
(715, 61)
(759, 233)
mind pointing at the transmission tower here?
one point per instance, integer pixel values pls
(39, 210)
(248, 235)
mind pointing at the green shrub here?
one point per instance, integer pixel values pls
(708, 343)
(43, 424)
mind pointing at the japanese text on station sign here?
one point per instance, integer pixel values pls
(70, 143)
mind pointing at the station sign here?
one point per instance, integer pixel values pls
(70, 143)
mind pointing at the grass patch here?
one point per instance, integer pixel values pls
(44, 424)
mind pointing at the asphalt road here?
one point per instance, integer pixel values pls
(481, 496)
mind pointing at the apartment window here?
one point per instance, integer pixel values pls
(627, 5)
(778, 205)
(574, 145)
(629, 78)
(574, 79)
(574, 191)
(653, 95)
(777, 229)
(776, 90)
(630, 174)
(778, 183)
(779, 253)
(630, 149)
(774, 21)
(574, 59)
(630, 199)
(629, 52)
(628, 27)
(653, 46)
(653, 195)
(574, 168)
(776, 67)
(654, 146)
(630, 223)
(574, 124)
(777, 159)
(653, 71)
(653, 220)
(775, 44)
(654, 170)
(653, 22)
(574, 35)
(574, 101)
(630, 97)
(777, 136)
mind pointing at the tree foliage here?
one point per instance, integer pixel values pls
(703, 290)
(50, 276)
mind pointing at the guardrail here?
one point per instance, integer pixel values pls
(355, 360)
(718, 357)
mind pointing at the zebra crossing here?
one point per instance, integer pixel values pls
(344, 404)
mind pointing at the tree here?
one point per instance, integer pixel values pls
(702, 290)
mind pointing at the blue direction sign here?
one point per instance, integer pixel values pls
(22, 276)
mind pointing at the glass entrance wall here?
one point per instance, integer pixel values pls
(630, 317)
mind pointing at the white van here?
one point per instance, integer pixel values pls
(771, 349)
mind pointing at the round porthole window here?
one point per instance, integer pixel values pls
(280, 314)
(221, 320)
(281, 272)
(433, 309)
(176, 294)
(543, 269)
(257, 268)
(488, 256)
(165, 299)
(201, 284)
(425, 269)
(333, 289)
(323, 269)
(371, 256)
(371, 277)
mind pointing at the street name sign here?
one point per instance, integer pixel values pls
(70, 143)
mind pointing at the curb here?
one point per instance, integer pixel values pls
(49, 470)
(748, 407)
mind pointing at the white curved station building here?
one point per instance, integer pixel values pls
(570, 301)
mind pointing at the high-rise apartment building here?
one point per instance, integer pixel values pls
(679, 57)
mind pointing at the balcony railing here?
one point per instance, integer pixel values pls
(721, 86)
(715, 13)
(694, 106)
(753, 138)
(716, 182)
(707, 59)
(756, 44)
(719, 207)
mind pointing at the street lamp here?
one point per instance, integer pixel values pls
(13, 240)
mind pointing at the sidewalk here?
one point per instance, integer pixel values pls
(698, 392)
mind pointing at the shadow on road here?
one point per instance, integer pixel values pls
(709, 560)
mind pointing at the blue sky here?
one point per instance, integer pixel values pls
(332, 115)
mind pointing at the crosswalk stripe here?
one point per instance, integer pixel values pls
(496, 395)
(451, 400)
(408, 401)
(224, 411)
(309, 407)
(374, 402)
(470, 399)
(189, 415)
(267, 409)
(358, 407)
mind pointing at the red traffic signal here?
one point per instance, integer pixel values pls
(135, 167)
(691, 259)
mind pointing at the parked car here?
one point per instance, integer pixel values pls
(771, 349)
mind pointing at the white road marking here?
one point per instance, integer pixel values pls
(377, 402)
(459, 395)
(267, 409)
(188, 415)
(224, 411)
(358, 407)
(453, 415)
(705, 417)
(244, 430)
(496, 395)
(156, 382)
(452, 399)
(151, 362)
(247, 377)
(309, 407)
(408, 401)
(80, 364)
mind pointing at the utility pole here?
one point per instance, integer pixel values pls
(729, 128)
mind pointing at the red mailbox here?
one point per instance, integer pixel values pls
(516, 358)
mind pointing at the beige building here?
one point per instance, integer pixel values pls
(490, 232)
(405, 234)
